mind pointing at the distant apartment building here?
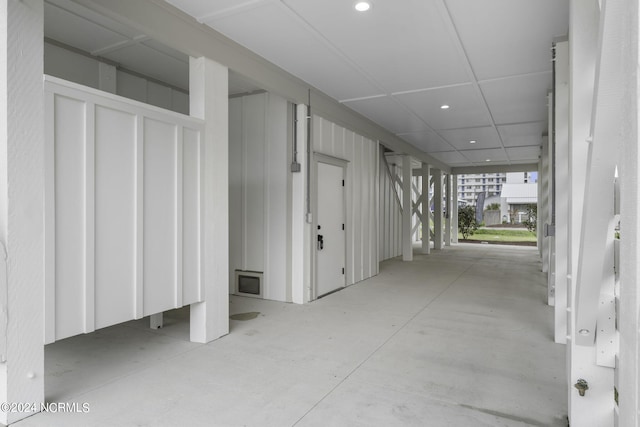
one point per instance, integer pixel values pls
(470, 185)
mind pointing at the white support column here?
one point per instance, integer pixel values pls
(437, 209)
(447, 221)
(539, 209)
(21, 205)
(426, 211)
(407, 243)
(454, 211)
(543, 203)
(595, 270)
(596, 407)
(208, 86)
(562, 191)
(550, 196)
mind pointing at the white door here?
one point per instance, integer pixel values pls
(330, 238)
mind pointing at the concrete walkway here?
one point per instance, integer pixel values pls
(461, 337)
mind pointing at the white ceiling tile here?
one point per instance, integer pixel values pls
(522, 134)
(518, 99)
(162, 48)
(480, 156)
(485, 137)
(427, 141)
(524, 153)
(70, 29)
(466, 109)
(451, 157)
(203, 9)
(273, 33)
(388, 114)
(402, 45)
(509, 37)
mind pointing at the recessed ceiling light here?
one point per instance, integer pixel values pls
(362, 6)
(444, 107)
(473, 141)
(488, 160)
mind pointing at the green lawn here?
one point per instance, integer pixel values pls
(490, 235)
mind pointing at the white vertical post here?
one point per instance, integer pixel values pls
(426, 211)
(437, 209)
(407, 243)
(454, 210)
(208, 88)
(21, 205)
(562, 191)
(551, 203)
(543, 203)
(447, 221)
(539, 208)
(596, 407)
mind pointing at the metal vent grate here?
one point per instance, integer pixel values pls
(249, 283)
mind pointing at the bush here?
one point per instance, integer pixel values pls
(532, 218)
(467, 221)
(493, 207)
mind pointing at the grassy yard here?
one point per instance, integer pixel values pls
(492, 235)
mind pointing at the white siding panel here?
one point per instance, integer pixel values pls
(114, 216)
(391, 220)
(367, 202)
(276, 175)
(131, 86)
(349, 154)
(253, 129)
(236, 186)
(69, 212)
(336, 141)
(191, 217)
(258, 177)
(179, 102)
(66, 64)
(160, 208)
(159, 95)
(357, 208)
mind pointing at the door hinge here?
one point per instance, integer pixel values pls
(343, 270)
(343, 227)
(343, 182)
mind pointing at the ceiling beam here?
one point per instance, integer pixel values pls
(528, 167)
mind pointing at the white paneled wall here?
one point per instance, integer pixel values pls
(123, 209)
(362, 193)
(258, 191)
(390, 239)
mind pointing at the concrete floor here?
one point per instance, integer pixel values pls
(461, 337)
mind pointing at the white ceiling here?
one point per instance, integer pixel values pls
(490, 60)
